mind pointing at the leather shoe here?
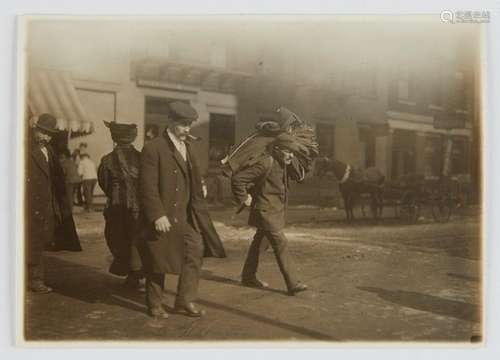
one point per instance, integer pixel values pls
(158, 313)
(254, 283)
(188, 309)
(297, 288)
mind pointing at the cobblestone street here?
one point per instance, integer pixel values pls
(368, 282)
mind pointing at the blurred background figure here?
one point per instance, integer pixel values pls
(152, 131)
(71, 177)
(88, 173)
(118, 176)
(76, 155)
(50, 222)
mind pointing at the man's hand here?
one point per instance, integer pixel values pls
(162, 224)
(248, 200)
(204, 190)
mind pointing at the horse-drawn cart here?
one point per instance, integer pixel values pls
(412, 193)
(409, 195)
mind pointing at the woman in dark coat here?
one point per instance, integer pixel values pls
(118, 176)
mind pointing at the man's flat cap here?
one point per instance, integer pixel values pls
(181, 111)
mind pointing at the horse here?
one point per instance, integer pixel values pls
(354, 183)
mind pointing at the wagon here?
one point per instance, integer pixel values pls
(411, 193)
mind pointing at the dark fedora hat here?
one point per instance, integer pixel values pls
(47, 123)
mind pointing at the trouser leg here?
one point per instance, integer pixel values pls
(78, 191)
(154, 290)
(86, 191)
(252, 261)
(187, 289)
(279, 243)
(91, 193)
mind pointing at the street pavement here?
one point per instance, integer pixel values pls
(368, 281)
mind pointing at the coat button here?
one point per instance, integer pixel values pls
(175, 220)
(176, 189)
(175, 204)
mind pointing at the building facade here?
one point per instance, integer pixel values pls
(373, 92)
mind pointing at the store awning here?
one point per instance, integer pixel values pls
(54, 92)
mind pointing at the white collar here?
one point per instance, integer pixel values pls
(174, 138)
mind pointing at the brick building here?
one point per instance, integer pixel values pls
(372, 89)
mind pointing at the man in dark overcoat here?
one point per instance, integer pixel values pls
(263, 186)
(175, 213)
(48, 211)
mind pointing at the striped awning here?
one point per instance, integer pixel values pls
(54, 92)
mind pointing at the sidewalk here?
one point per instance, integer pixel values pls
(388, 282)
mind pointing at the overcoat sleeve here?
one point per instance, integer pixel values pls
(242, 180)
(149, 182)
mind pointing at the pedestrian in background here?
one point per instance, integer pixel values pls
(118, 176)
(71, 176)
(82, 149)
(88, 173)
(47, 202)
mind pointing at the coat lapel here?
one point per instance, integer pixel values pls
(176, 155)
(40, 160)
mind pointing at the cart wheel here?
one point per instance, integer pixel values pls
(409, 209)
(441, 209)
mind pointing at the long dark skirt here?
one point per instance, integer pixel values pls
(123, 236)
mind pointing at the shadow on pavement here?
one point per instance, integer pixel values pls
(91, 285)
(210, 276)
(428, 303)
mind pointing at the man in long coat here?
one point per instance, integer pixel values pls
(263, 187)
(48, 212)
(177, 220)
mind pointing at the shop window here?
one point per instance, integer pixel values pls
(460, 156)
(221, 132)
(433, 155)
(403, 153)
(325, 135)
(405, 86)
(368, 145)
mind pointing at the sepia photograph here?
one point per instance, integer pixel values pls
(252, 179)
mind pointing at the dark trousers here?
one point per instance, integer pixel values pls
(279, 243)
(187, 288)
(37, 242)
(78, 192)
(88, 192)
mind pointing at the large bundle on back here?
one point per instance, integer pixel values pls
(252, 148)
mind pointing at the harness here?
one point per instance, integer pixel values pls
(346, 174)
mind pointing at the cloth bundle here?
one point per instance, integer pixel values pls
(300, 140)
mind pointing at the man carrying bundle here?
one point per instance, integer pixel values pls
(263, 186)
